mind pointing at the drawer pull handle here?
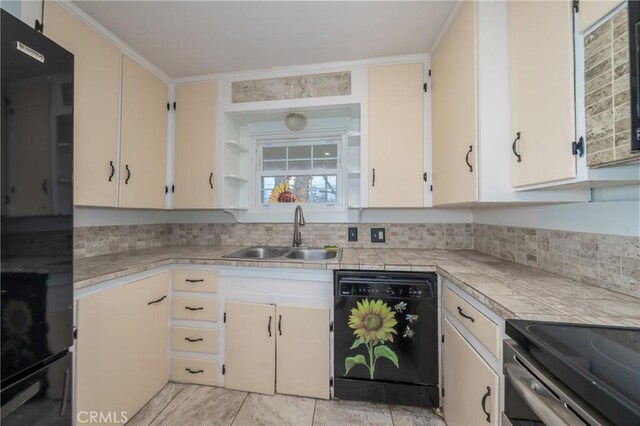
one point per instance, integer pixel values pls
(113, 170)
(484, 401)
(194, 281)
(269, 326)
(157, 301)
(194, 371)
(126, 181)
(514, 147)
(280, 325)
(194, 309)
(466, 159)
(188, 339)
(462, 314)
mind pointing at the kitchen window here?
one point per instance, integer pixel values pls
(306, 170)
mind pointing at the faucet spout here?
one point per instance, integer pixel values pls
(298, 220)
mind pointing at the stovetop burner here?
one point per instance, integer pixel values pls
(599, 363)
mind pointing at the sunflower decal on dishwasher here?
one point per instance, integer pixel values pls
(374, 324)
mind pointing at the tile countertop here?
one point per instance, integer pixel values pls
(509, 289)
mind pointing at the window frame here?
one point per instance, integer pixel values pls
(287, 139)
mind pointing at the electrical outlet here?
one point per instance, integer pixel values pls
(353, 234)
(377, 235)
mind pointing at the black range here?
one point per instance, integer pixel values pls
(584, 372)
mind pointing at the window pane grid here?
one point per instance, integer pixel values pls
(299, 172)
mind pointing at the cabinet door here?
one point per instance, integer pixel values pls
(396, 135)
(594, 10)
(303, 352)
(542, 91)
(471, 386)
(250, 347)
(122, 346)
(144, 138)
(455, 111)
(195, 152)
(96, 96)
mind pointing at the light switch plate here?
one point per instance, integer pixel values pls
(378, 235)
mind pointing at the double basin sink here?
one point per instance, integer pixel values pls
(285, 253)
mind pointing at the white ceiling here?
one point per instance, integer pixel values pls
(188, 38)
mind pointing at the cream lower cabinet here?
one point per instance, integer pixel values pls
(299, 336)
(302, 351)
(96, 105)
(396, 135)
(121, 360)
(250, 347)
(471, 386)
(143, 167)
(195, 146)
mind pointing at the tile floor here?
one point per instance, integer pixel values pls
(192, 405)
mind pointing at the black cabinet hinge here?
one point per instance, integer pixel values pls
(174, 106)
(576, 5)
(75, 334)
(330, 382)
(577, 148)
(168, 106)
(429, 73)
(166, 189)
(224, 369)
(331, 326)
(173, 189)
(425, 176)
(443, 392)
(443, 338)
(39, 26)
(424, 87)
(224, 317)
(431, 188)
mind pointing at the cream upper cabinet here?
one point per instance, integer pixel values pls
(396, 135)
(144, 138)
(303, 340)
(542, 91)
(470, 385)
(195, 146)
(96, 105)
(454, 111)
(122, 347)
(250, 347)
(591, 11)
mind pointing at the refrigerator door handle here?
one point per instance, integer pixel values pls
(65, 392)
(20, 399)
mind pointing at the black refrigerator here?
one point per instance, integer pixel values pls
(36, 257)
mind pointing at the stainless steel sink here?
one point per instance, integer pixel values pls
(312, 254)
(259, 253)
(285, 253)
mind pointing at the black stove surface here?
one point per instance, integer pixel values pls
(600, 364)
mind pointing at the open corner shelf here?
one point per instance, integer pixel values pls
(235, 146)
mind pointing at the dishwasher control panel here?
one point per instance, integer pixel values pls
(411, 291)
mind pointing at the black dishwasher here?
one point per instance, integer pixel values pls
(386, 337)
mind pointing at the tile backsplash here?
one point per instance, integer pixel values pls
(297, 87)
(607, 93)
(607, 261)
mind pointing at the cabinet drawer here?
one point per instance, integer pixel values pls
(195, 280)
(192, 308)
(191, 339)
(191, 370)
(485, 330)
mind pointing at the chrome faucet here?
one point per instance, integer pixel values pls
(298, 220)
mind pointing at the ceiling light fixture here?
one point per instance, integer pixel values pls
(295, 121)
